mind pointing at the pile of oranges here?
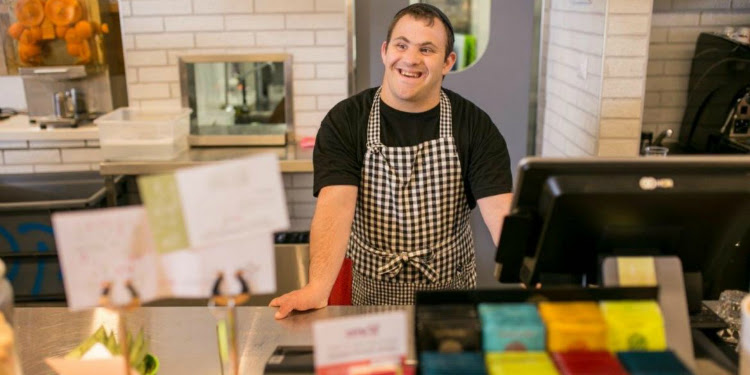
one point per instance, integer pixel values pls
(46, 20)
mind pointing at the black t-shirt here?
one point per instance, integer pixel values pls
(341, 143)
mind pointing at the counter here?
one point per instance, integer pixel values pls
(18, 128)
(184, 338)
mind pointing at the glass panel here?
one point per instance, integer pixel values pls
(471, 27)
(246, 97)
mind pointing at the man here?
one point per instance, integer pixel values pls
(397, 171)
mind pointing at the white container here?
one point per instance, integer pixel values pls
(143, 133)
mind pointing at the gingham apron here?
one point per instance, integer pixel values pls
(411, 223)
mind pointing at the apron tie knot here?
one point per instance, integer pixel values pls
(397, 261)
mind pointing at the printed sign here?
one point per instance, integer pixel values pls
(343, 345)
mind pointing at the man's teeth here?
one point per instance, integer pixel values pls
(411, 74)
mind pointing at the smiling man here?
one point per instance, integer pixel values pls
(398, 170)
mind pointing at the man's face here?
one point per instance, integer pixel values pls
(415, 63)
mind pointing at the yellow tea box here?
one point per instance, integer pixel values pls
(511, 363)
(634, 326)
(573, 326)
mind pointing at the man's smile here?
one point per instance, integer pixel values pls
(409, 74)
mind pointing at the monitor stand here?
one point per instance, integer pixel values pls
(672, 300)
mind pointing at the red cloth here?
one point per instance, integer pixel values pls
(341, 294)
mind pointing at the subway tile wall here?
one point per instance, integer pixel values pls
(594, 58)
(674, 31)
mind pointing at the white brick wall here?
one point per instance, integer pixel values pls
(674, 31)
(157, 33)
(593, 71)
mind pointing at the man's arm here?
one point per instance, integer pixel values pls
(329, 235)
(494, 209)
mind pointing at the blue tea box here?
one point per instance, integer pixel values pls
(511, 327)
(652, 363)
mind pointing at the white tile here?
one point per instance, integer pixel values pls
(300, 225)
(158, 74)
(624, 67)
(303, 210)
(621, 108)
(655, 68)
(284, 6)
(299, 195)
(9, 145)
(305, 103)
(320, 87)
(619, 129)
(303, 71)
(662, 115)
(94, 166)
(160, 7)
(284, 38)
(31, 156)
(138, 25)
(630, 6)
(145, 58)
(318, 54)
(662, 5)
(305, 132)
(222, 6)
(302, 180)
(309, 118)
(92, 143)
(652, 99)
(175, 90)
(326, 102)
(48, 168)
(677, 67)
(194, 23)
(316, 21)
(287, 177)
(618, 147)
(148, 90)
(16, 169)
(659, 34)
(225, 39)
(688, 34)
(627, 46)
(128, 42)
(56, 144)
(622, 88)
(330, 70)
(628, 25)
(674, 99)
(330, 5)
(700, 4)
(254, 22)
(740, 4)
(161, 103)
(671, 51)
(79, 155)
(675, 19)
(724, 18)
(124, 8)
(131, 75)
(174, 55)
(666, 83)
(164, 41)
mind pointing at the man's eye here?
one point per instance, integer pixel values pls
(401, 46)
(426, 50)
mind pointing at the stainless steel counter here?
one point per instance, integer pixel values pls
(292, 158)
(184, 338)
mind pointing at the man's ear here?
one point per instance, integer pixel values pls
(383, 47)
(448, 63)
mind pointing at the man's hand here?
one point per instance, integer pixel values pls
(307, 298)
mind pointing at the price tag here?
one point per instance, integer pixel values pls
(636, 271)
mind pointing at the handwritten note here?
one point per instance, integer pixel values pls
(109, 245)
(366, 340)
(226, 200)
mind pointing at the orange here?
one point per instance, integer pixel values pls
(15, 30)
(29, 36)
(29, 12)
(84, 29)
(71, 36)
(84, 55)
(74, 49)
(60, 31)
(29, 53)
(63, 12)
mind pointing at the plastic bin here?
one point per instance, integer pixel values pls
(143, 134)
(27, 244)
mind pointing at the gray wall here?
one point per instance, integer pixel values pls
(498, 83)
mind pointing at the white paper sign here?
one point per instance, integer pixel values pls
(348, 342)
(192, 273)
(226, 200)
(109, 366)
(111, 245)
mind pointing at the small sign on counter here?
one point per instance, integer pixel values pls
(361, 344)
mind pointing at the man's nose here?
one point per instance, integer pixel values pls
(412, 56)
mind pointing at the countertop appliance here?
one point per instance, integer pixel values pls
(716, 118)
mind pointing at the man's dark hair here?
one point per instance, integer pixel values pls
(428, 13)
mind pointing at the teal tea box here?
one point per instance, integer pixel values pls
(511, 327)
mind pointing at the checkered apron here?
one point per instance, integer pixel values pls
(411, 224)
